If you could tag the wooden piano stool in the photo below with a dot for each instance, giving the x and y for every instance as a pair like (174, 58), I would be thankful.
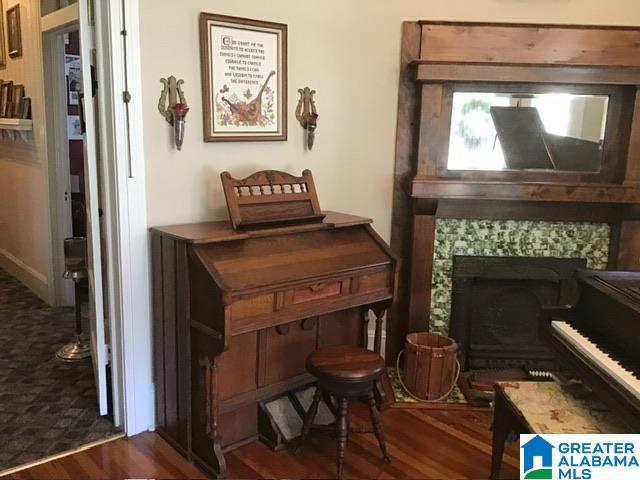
(547, 408)
(345, 373)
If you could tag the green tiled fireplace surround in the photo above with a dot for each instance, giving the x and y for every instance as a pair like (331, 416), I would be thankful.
(508, 238)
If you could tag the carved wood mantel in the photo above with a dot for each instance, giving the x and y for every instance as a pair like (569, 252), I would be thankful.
(436, 57)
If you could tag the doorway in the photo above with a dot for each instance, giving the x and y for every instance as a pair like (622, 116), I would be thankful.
(76, 186)
(62, 71)
(113, 27)
(53, 405)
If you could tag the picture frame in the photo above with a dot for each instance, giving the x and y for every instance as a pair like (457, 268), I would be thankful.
(17, 94)
(244, 79)
(73, 74)
(25, 109)
(3, 45)
(14, 32)
(5, 99)
(74, 127)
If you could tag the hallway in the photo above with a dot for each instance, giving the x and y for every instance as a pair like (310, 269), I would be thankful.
(46, 406)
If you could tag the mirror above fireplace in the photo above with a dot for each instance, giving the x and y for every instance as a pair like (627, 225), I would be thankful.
(557, 131)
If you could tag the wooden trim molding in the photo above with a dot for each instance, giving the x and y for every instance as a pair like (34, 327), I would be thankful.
(427, 71)
(530, 44)
(529, 191)
(632, 174)
(406, 141)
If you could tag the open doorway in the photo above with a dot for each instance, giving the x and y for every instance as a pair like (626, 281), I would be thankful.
(62, 70)
(52, 405)
(76, 186)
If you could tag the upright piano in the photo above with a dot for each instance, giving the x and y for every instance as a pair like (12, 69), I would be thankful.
(237, 311)
(598, 338)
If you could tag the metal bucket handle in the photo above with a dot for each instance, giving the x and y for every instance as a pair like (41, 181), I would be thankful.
(404, 387)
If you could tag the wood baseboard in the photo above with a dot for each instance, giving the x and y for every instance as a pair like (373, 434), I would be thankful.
(56, 456)
(29, 276)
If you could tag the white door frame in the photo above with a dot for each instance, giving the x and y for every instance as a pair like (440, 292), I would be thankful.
(128, 270)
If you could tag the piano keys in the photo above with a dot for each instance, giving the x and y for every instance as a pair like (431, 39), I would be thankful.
(627, 377)
(597, 338)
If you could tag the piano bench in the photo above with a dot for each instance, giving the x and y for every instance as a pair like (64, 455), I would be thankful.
(546, 408)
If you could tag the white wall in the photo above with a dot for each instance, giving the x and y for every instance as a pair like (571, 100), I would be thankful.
(348, 50)
(25, 238)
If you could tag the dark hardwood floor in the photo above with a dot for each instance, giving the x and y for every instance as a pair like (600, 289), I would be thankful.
(446, 444)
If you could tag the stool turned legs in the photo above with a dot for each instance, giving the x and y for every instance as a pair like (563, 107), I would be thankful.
(343, 432)
(311, 414)
(377, 426)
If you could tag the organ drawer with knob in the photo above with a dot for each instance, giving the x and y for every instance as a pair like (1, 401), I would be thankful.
(237, 312)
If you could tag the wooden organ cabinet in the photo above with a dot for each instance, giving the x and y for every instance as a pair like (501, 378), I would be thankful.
(238, 311)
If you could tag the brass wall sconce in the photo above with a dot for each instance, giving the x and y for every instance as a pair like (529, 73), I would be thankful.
(176, 109)
(307, 115)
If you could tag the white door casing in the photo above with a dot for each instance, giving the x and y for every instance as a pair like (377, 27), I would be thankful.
(127, 236)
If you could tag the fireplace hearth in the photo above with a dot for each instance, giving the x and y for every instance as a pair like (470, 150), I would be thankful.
(497, 305)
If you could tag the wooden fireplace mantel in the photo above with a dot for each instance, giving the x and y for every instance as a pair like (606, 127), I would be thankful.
(438, 57)
(523, 191)
(429, 71)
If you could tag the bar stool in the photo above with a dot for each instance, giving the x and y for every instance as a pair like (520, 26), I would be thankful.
(345, 372)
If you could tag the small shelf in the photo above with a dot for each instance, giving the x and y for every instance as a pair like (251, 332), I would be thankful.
(16, 124)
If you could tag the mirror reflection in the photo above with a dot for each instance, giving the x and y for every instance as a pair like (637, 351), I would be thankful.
(527, 131)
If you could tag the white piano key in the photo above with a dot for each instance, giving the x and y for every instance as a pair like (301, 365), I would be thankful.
(591, 350)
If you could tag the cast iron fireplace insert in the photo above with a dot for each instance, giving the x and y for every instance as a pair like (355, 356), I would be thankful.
(497, 304)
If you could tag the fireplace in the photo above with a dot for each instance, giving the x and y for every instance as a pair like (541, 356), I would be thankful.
(497, 305)
(440, 59)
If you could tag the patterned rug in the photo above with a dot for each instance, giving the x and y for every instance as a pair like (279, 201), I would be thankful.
(46, 406)
(401, 394)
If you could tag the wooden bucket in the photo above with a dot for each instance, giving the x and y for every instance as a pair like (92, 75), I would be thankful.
(430, 365)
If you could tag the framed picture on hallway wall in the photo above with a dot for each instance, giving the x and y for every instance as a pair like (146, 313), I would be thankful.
(244, 79)
(6, 89)
(3, 47)
(14, 31)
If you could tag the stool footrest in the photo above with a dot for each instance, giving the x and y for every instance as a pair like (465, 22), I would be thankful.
(324, 428)
(361, 430)
(332, 428)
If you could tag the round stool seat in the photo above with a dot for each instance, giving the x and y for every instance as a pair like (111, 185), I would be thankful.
(345, 372)
(345, 363)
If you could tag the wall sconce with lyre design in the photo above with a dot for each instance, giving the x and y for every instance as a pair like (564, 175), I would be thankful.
(173, 107)
(307, 115)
